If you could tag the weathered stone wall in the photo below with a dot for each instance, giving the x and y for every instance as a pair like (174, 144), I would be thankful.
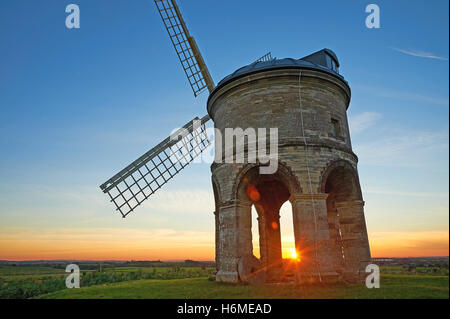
(271, 99)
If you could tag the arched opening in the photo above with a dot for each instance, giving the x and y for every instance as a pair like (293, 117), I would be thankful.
(255, 233)
(287, 232)
(271, 218)
(286, 229)
(341, 184)
(268, 196)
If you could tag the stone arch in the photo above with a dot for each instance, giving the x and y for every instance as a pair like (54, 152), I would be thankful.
(343, 170)
(272, 191)
(251, 171)
(348, 234)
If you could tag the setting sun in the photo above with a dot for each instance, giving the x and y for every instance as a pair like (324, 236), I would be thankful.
(294, 254)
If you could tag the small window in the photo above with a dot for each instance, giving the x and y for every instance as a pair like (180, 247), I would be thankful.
(329, 61)
(334, 67)
(336, 128)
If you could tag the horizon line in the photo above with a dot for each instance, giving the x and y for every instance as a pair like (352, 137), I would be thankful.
(179, 260)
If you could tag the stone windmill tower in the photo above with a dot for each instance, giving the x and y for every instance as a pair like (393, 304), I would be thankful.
(306, 101)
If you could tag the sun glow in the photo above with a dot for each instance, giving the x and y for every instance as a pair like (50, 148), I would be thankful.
(294, 254)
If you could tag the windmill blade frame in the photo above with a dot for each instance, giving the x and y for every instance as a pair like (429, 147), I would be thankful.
(142, 178)
(185, 46)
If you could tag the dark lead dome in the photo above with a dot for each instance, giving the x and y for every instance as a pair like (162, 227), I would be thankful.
(324, 60)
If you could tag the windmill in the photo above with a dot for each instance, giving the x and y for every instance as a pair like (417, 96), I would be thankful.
(305, 100)
(147, 174)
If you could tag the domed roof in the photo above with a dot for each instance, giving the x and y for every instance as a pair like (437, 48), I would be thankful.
(315, 61)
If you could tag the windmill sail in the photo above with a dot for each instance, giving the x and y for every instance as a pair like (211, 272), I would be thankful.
(142, 178)
(192, 61)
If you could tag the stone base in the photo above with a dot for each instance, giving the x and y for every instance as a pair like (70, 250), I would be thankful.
(354, 277)
(250, 270)
(324, 278)
(227, 276)
(330, 277)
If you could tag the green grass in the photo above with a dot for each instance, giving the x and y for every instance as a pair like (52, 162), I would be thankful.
(418, 270)
(392, 286)
(35, 277)
(29, 270)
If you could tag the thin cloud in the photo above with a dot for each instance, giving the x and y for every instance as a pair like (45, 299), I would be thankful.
(401, 95)
(405, 148)
(421, 54)
(361, 122)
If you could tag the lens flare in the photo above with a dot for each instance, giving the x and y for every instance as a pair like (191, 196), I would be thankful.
(253, 193)
(294, 254)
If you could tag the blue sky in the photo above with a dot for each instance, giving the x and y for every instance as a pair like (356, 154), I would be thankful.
(78, 105)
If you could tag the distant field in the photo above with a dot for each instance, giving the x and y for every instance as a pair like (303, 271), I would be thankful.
(19, 282)
(29, 270)
(392, 286)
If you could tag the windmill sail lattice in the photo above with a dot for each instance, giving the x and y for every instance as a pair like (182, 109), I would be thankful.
(185, 46)
(142, 178)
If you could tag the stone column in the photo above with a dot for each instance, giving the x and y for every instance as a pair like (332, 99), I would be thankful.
(354, 239)
(312, 239)
(216, 219)
(270, 242)
(273, 242)
(244, 228)
(335, 236)
(235, 239)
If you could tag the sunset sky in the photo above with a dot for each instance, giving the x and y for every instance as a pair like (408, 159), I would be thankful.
(76, 106)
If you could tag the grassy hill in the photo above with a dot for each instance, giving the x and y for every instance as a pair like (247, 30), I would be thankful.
(392, 286)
